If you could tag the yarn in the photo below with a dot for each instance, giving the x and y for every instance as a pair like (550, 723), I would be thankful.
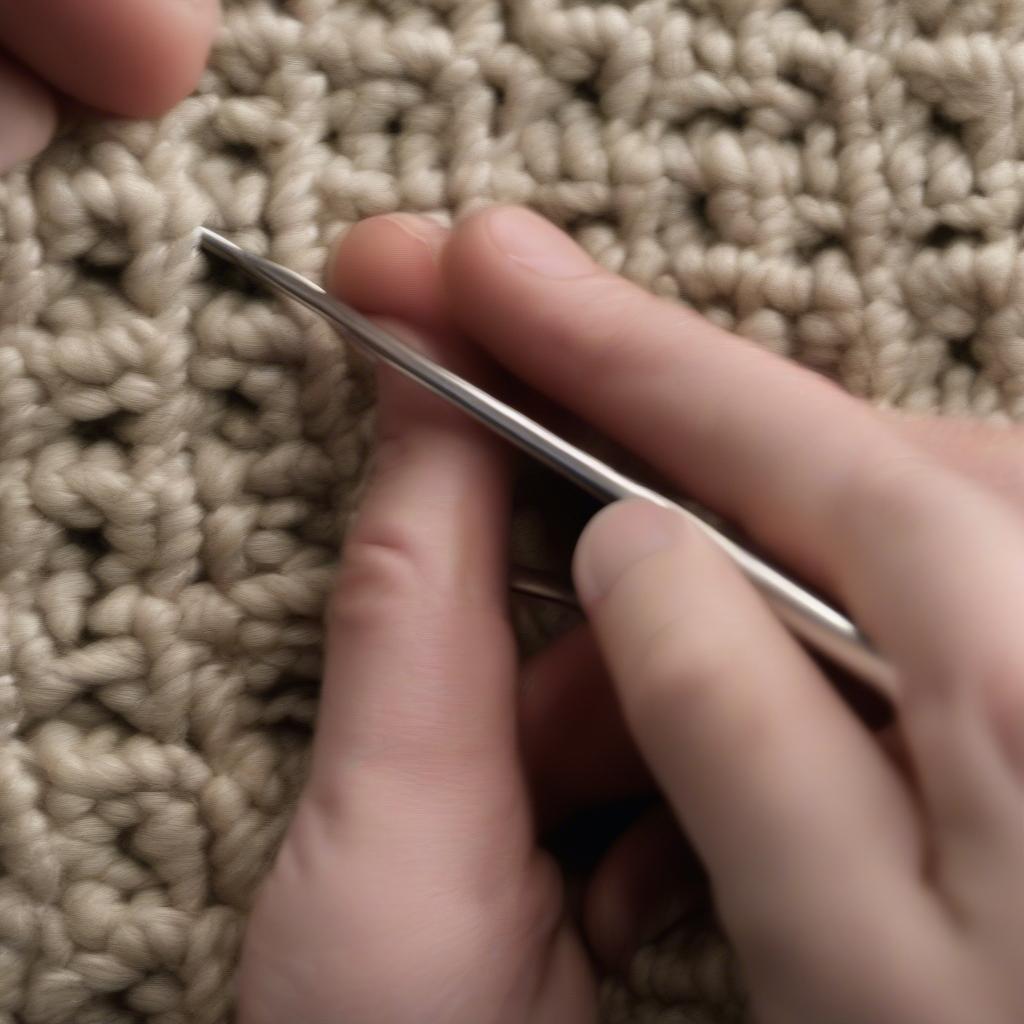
(839, 180)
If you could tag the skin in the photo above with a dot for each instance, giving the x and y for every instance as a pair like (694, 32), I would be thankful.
(861, 879)
(130, 59)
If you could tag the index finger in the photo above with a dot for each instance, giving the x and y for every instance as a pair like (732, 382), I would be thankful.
(756, 438)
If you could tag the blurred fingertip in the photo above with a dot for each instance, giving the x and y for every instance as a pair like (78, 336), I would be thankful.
(388, 264)
(134, 60)
(28, 113)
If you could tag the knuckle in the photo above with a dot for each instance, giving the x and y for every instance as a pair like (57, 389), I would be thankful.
(989, 686)
(378, 577)
(894, 487)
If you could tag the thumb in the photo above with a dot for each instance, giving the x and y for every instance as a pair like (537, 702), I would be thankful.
(769, 774)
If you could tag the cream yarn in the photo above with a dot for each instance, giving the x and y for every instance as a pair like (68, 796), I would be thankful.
(838, 179)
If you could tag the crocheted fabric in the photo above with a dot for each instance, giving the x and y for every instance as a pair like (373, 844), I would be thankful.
(838, 179)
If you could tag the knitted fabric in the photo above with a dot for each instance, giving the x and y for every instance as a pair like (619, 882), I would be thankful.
(840, 180)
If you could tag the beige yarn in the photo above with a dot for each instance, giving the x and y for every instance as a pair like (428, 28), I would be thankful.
(839, 179)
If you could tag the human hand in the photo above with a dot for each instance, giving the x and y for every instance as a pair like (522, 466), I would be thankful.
(134, 59)
(859, 881)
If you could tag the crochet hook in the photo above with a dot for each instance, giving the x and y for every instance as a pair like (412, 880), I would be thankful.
(809, 618)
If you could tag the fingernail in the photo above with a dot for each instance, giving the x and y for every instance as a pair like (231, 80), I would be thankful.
(28, 116)
(616, 539)
(533, 242)
(429, 232)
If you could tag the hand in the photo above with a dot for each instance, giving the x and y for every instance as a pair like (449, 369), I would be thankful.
(857, 885)
(125, 57)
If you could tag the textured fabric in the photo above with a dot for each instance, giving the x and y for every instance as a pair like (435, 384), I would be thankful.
(838, 179)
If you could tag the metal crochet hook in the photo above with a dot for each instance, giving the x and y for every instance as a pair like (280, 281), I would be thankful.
(810, 618)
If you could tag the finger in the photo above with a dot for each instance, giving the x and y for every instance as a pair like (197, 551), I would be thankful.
(134, 59)
(725, 420)
(648, 881)
(774, 782)
(27, 112)
(388, 266)
(417, 625)
(576, 748)
(420, 674)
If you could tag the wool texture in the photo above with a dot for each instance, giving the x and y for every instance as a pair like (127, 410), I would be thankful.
(839, 180)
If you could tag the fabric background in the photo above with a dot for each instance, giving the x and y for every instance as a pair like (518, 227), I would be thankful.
(840, 180)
